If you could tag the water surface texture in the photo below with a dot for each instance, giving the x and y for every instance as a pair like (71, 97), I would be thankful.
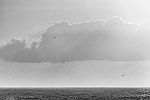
(75, 94)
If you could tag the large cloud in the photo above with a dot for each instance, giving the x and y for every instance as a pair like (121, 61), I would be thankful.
(113, 39)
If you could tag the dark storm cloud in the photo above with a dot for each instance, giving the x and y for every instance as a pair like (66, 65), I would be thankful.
(114, 39)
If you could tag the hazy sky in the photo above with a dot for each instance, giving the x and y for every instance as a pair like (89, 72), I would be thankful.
(83, 73)
(81, 43)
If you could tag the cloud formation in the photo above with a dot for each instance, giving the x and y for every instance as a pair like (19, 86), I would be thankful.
(113, 39)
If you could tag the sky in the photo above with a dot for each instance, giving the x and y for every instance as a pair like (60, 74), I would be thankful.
(21, 18)
(74, 42)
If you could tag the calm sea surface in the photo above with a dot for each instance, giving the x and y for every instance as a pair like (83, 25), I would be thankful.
(75, 94)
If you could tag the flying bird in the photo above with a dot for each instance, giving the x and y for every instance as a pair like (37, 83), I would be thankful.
(123, 75)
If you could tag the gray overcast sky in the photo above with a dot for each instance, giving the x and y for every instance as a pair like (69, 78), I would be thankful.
(25, 17)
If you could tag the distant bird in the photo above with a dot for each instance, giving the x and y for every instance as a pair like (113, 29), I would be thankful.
(54, 36)
(123, 75)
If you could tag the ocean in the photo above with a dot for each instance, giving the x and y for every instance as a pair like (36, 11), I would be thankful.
(74, 93)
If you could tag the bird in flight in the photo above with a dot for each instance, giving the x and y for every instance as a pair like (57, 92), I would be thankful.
(123, 75)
